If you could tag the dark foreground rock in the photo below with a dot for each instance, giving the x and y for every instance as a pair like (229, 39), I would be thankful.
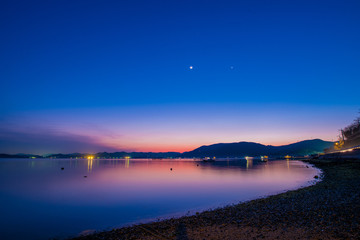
(327, 210)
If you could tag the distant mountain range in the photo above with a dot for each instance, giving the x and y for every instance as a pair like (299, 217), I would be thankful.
(121, 155)
(99, 155)
(239, 149)
(20, 155)
(242, 149)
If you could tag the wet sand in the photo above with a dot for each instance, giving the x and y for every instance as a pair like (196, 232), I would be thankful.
(327, 210)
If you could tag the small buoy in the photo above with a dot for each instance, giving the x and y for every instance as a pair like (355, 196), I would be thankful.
(85, 176)
(62, 168)
(170, 169)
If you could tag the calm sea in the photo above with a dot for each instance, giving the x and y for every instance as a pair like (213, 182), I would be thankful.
(39, 200)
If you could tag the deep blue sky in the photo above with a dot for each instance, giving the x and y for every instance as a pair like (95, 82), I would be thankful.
(57, 57)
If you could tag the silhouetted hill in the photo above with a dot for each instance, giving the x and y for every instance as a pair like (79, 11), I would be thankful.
(302, 148)
(119, 155)
(229, 150)
(20, 155)
(242, 149)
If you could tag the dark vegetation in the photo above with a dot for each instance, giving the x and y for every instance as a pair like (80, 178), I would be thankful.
(351, 134)
(349, 137)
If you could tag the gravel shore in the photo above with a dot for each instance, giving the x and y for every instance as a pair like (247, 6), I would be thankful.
(327, 210)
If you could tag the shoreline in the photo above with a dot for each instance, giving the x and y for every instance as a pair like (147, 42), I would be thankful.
(328, 209)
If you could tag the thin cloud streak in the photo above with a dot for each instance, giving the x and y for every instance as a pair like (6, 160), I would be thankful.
(47, 141)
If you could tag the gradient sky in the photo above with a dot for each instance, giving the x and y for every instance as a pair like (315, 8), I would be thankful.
(88, 76)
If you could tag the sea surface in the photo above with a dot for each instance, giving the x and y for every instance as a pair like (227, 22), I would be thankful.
(39, 200)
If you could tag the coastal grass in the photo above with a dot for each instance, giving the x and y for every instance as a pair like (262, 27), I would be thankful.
(327, 210)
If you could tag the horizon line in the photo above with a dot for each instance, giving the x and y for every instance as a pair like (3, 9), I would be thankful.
(166, 151)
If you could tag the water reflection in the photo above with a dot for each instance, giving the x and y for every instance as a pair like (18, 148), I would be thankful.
(59, 203)
(90, 164)
(249, 163)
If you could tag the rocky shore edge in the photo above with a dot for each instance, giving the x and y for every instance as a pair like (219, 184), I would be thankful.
(327, 210)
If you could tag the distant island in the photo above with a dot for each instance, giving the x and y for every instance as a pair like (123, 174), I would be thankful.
(219, 150)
